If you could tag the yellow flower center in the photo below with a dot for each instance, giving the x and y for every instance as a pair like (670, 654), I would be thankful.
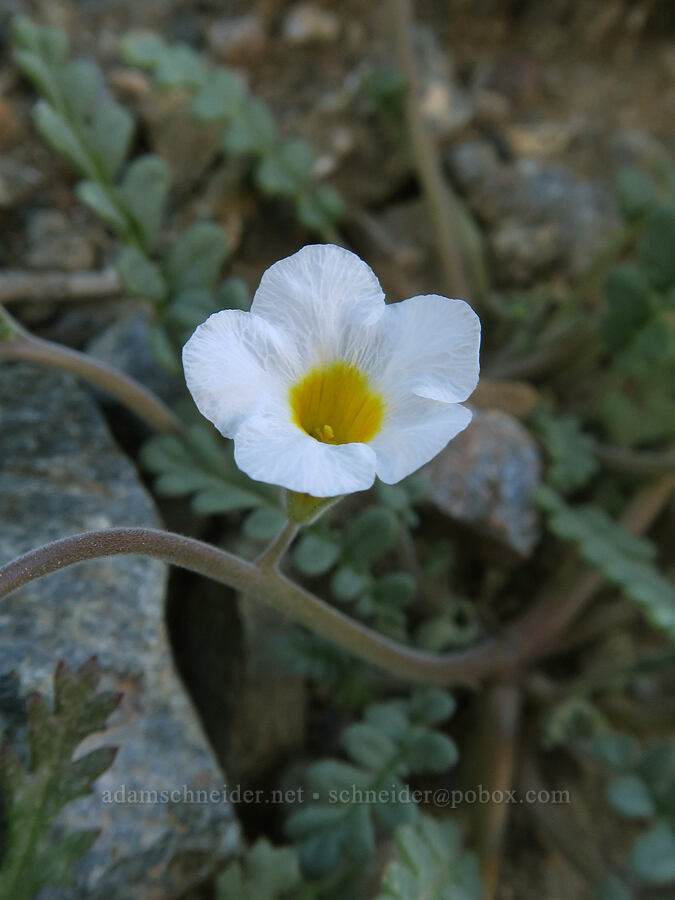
(335, 405)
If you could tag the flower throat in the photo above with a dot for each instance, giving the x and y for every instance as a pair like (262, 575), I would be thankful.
(335, 405)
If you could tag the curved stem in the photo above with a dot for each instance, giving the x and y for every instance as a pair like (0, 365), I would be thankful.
(525, 640)
(264, 584)
(23, 347)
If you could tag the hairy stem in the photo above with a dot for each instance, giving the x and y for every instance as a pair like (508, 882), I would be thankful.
(527, 639)
(23, 347)
(264, 584)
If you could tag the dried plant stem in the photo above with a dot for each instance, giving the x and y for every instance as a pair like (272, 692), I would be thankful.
(499, 727)
(642, 462)
(24, 347)
(39, 287)
(436, 190)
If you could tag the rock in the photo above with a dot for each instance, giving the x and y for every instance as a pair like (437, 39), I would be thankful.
(485, 479)
(238, 41)
(538, 216)
(306, 23)
(59, 242)
(125, 344)
(17, 182)
(62, 474)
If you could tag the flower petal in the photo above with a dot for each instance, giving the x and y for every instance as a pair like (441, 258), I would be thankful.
(270, 448)
(416, 430)
(436, 349)
(317, 295)
(234, 362)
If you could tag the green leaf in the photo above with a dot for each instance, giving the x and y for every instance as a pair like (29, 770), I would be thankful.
(264, 524)
(198, 462)
(180, 66)
(101, 201)
(371, 534)
(286, 169)
(397, 589)
(266, 873)
(35, 794)
(571, 452)
(625, 560)
(636, 192)
(139, 276)
(628, 795)
(252, 131)
(53, 44)
(144, 189)
(347, 584)
(36, 70)
(368, 746)
(79, 81)
(196, 257)
(192, 306)
(110, 133)
(619, 751)
(320, 209)
(652, 858)
(431, 752)
(315, 555)
(143, 49)
(655, 246)
(59, 135)
(163, 349)
(431, 706)
(433, 864)
(220, 97)
(628, 294)
(234, 294)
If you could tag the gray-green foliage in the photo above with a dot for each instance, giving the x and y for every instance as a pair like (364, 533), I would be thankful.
(635, 398)
(34, 792)
(81, 121)
(200, 465)
(433, 864)
(265, 873)
(625, 560)
(349, 556)
(395, 739)
(642, 788)
(281, 167)
(570, 451)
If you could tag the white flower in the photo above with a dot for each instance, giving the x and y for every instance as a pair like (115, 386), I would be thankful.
(323, 386)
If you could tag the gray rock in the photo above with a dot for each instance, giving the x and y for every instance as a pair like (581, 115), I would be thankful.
(62, 474)
(57, 242)
(486, 478)
(17, 181)
(238, 41)
(538, 216)
(125, 345)
(306, 23)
